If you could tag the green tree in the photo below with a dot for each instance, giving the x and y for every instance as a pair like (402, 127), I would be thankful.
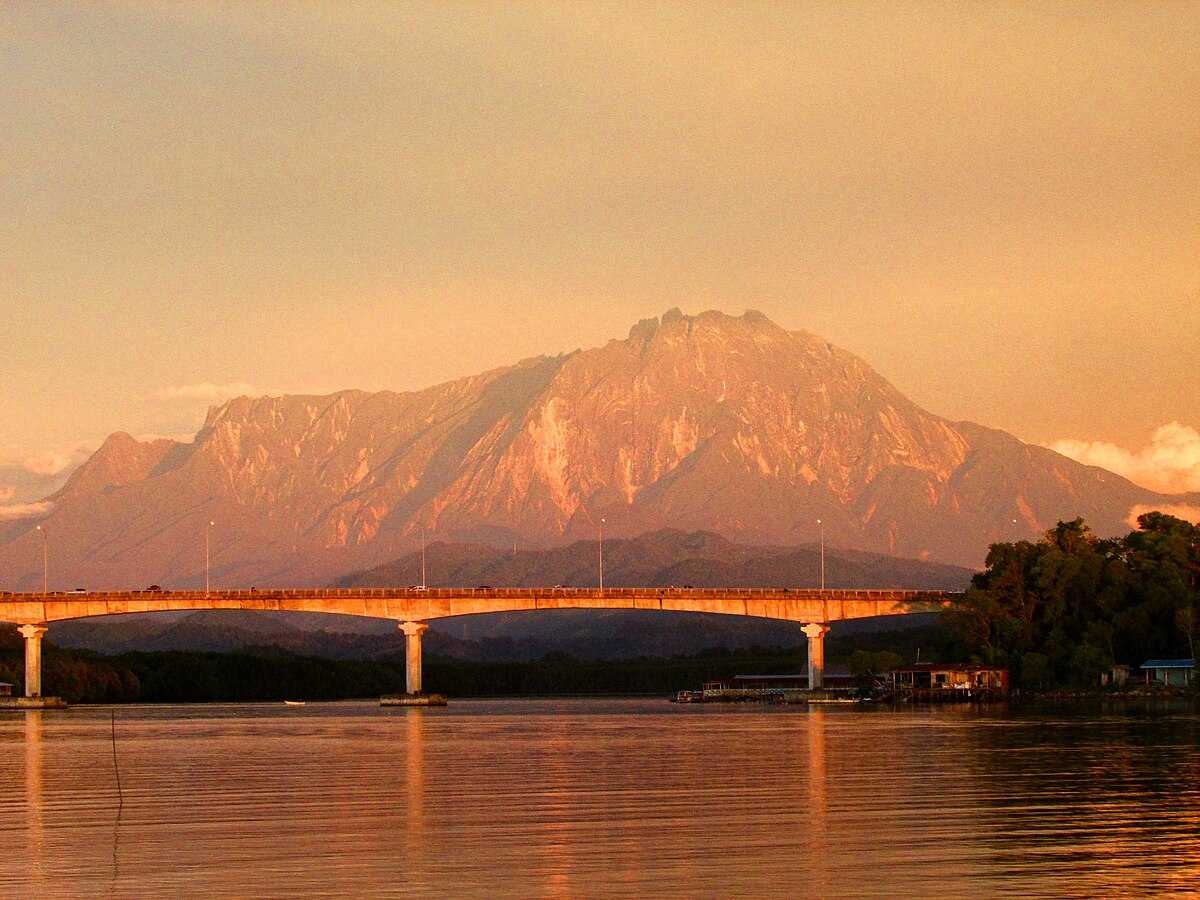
(1068, 607)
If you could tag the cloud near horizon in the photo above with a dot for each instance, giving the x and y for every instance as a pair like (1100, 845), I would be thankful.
(46, 462)
(1180, 511)
(208, 391)
(28, 475)
(26, 511)
(1170, 463)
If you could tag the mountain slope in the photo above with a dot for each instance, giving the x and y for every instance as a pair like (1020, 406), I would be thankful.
(728, 424)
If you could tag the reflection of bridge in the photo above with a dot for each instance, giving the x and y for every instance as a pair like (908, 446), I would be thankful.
(411, 607)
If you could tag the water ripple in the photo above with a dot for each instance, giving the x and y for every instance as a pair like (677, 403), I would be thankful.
(579, 798)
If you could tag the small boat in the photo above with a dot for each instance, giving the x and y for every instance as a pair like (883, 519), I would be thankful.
(293, 702)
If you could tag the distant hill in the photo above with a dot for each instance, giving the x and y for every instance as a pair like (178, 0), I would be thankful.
(708, 422)
(663, 558)
(585, 634)
(659, 559)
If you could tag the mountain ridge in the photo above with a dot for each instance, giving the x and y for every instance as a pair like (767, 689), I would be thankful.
(713, 422)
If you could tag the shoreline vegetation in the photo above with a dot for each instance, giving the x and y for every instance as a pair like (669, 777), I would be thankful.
(84, 677)
(1073, 611)
(1064, 614)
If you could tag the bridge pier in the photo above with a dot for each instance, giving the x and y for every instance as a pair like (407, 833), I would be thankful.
(815, 632)
(33, 658)
(412, 655)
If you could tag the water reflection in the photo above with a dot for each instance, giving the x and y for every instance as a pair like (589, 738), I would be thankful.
(557, 810)
(34, 833)
(412, 829)
(1083, 789)
(586, 798)
(818, 826)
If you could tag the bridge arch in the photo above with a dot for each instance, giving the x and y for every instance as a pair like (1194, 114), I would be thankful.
(413, 607)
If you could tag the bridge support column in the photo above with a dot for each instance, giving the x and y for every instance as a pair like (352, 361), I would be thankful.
(33, 658)
(815, 632)
(412, 655)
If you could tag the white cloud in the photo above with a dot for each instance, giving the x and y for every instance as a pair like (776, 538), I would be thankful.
(28, 475)
(47, 462)
(52, 460)
(1180, 511)
(1170, 463)
(26, 511)
(208, 391)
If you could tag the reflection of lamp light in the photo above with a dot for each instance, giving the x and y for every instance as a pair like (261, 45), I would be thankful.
(601, 527)
(822, 524)
(45, 559)
(207, 532)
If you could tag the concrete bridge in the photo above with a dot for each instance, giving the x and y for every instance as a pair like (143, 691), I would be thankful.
(414, 606)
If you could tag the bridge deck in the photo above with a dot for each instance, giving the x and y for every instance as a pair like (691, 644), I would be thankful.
(416, 604)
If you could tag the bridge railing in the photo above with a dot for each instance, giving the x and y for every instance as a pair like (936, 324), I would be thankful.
(485, 592)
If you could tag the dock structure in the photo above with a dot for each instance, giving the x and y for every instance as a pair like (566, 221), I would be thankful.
(412, 700)
(950, 682)
(412, 608)
(782, 689)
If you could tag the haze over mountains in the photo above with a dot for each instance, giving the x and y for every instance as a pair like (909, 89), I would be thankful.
(726, 424)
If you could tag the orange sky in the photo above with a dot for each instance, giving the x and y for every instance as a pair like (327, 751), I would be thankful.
(997, 205)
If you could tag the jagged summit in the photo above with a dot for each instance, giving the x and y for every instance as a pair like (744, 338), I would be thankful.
(121, 459)
(697, 422)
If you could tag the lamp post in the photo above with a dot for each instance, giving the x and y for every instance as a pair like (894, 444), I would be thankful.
(207, 532)
(45, 559)
(822, 524)
(601, 557)
(422, 557)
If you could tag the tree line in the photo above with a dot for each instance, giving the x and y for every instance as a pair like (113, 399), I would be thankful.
(1064, 610)
(171, 676)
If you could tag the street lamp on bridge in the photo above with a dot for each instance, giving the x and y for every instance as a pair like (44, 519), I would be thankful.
(45, 559)
(601, 527)
(422, 556)
(822, 524)
(207, 533)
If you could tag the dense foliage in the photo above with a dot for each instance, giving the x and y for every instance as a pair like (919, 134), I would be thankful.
(78, 675)
(1068, 608)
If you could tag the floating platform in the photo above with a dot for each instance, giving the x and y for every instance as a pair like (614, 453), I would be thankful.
(32, 703)
(765, 695)
(412, 700)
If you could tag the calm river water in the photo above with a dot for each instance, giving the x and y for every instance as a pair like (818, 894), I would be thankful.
(579, 798)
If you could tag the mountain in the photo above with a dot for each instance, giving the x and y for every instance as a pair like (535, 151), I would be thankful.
(707, 422)
(666, 558)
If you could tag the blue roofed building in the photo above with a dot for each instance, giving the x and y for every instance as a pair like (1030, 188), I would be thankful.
(1169, 672)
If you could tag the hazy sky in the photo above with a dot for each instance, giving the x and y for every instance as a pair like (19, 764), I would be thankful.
(996, 205)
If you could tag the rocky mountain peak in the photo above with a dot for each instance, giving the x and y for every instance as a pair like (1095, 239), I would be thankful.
(120, 460)
(728, 424)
